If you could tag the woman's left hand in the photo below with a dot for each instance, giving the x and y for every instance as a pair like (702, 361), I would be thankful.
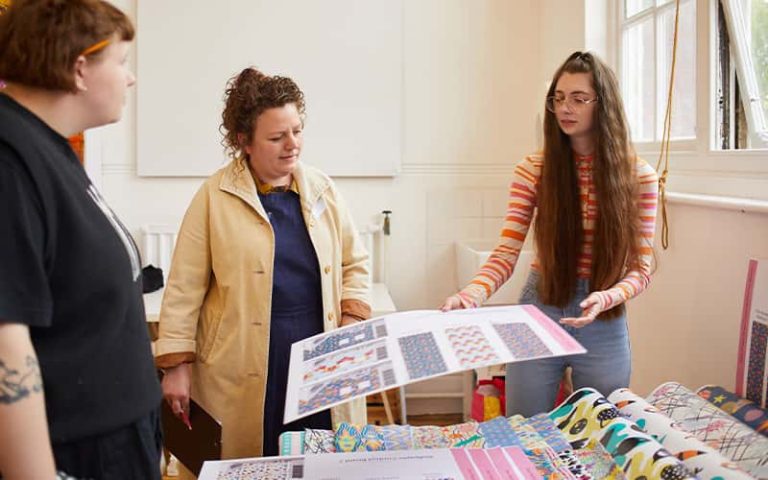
(348, 320)
(590, 309)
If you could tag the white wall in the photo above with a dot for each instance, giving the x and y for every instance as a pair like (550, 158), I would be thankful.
(474, 77)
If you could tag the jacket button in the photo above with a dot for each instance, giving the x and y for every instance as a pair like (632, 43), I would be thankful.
(330, 316)
(327, 269)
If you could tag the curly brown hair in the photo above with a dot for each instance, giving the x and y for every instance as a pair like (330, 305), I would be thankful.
(248, 95)
(558, 225)
(42, 39)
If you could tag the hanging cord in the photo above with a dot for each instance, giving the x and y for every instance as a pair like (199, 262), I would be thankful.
(664, 153)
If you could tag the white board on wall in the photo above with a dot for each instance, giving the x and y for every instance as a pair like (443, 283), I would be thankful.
(346, 55)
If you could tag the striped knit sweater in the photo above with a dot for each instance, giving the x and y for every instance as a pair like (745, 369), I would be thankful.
(520, 213)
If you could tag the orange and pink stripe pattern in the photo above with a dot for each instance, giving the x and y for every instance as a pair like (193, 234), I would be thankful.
(520, 212)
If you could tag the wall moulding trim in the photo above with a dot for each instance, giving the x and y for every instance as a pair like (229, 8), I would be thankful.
(743, 205)
(118, 169)
(455, 169)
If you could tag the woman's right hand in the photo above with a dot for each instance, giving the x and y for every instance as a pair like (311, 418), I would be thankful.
(176, 388)
(452, 303)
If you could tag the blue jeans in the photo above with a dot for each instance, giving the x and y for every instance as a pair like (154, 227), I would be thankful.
(532, 386)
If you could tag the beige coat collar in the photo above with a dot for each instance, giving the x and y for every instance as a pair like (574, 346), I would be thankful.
(237, 180)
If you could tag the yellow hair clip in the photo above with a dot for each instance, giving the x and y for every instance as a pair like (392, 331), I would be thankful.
(95, 47)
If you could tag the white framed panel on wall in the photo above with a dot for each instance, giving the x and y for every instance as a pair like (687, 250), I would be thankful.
(346, 55)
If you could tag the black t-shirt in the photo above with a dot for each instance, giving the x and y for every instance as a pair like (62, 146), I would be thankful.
(71, 272)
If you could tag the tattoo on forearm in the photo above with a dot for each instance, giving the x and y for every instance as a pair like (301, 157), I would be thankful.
(18, 384)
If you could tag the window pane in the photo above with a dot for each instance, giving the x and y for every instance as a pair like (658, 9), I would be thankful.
(632, 7)
(638, 80)
(684, 90)
(759, 48)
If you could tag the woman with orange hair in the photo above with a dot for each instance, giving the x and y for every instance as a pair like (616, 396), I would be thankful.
(78, 388)
(594, 205)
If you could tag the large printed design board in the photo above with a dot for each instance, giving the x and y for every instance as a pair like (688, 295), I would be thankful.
(450, 464)
(752, 364)
(402, 348)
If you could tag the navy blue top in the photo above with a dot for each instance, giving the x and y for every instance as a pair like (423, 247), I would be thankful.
(297, 310)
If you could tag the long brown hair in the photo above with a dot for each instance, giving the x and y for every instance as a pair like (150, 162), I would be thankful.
(559, 234)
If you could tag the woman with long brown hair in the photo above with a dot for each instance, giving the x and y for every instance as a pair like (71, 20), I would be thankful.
(594, 204)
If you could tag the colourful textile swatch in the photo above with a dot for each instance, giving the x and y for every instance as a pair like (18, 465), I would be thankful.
(714, 427)
(701, 459)
(529, 437)
(498, 433)
(463, 435)
(353, 438)
(549, 432)
(742, 409)
(292, 443)
(428, 437)
(587, 415)
(396, 437)
(598, 463)
(319, 441)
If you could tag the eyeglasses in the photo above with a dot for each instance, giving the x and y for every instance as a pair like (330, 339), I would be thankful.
(575, 102)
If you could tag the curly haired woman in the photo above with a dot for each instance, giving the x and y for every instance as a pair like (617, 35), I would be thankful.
(267, 255)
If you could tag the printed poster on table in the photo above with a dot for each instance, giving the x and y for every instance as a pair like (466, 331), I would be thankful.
(406, 347)
(751, 378)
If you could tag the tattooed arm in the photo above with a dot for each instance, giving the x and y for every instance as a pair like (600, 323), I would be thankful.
(25, 449)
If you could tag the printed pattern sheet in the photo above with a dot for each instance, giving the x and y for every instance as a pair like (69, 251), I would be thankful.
(334, 367)
(701, 459)
(751, 366)
(268, 468)
(586, 416)
(731, 438)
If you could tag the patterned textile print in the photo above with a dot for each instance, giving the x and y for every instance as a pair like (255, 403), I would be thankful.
(756, 363)
(471, 346)
(698, 457)
(396, 437)
(342, 339)
(714, 427)
(422, 355)
(278, 470)
(319, 441)
(353, 438)
(428, 437)
(337, 389)
(586, 415)
(740, 408)
(521, 341)
(549, 432)
(499, 433)
(598, 462)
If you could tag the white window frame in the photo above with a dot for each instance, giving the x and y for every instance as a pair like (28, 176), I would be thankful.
(698, 166)
(745, 70)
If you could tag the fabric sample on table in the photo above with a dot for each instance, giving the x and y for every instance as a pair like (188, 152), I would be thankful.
(587, 415)
(529, 437)
(701, 459)
(293, 443)
(463, 435)
(396, 437)
(428, 437)
(353, 438)
(744, 410)
(714, 427)
(498, 433)
(598, 462)
(549, 432)
(319, 441)
(421, 355)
